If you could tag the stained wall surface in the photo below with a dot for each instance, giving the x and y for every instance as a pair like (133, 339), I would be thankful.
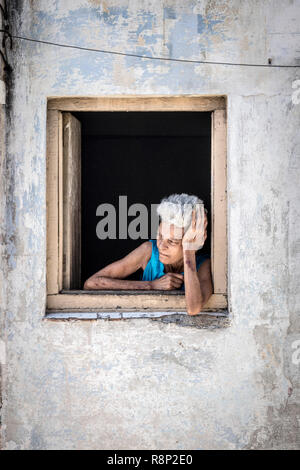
(140, 383)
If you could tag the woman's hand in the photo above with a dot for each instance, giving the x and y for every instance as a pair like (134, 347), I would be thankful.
(168, 282)
(196, 234)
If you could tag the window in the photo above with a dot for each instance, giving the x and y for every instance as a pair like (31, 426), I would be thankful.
(70, 121)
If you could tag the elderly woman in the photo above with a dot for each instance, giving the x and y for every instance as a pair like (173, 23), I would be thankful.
(169, 259)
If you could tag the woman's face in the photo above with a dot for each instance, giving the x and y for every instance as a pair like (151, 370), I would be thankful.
(169, 243)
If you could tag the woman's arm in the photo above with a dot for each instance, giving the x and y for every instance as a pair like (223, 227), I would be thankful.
(112, 276)
(198, 285)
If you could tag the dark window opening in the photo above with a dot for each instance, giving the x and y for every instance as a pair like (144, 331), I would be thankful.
(145, 156)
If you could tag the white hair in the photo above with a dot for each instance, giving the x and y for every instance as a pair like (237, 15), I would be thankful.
(177, 209)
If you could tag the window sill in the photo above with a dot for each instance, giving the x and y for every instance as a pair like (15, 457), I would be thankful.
(139, 303)
(123, 292)
(204, 320)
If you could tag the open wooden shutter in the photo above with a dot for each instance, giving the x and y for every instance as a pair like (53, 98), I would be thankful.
(71, 202)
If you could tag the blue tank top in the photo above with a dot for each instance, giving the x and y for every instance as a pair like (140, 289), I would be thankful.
(155, 268)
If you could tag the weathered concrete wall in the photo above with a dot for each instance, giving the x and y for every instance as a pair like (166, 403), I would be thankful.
(142, 383)
(2, 206)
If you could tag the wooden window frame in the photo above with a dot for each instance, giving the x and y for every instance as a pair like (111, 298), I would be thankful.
(59, 300)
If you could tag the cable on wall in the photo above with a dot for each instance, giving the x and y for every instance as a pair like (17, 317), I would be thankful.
(103, 51)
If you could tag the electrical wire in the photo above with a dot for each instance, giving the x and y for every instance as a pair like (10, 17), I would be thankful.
(103, 51)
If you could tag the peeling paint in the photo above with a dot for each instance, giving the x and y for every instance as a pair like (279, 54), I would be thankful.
(228, 384)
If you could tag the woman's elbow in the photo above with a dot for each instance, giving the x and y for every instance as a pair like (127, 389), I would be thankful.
(89, 284)
(199, 308)
(194, 311)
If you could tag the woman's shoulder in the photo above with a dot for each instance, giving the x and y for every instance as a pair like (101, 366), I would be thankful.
(147, 246)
